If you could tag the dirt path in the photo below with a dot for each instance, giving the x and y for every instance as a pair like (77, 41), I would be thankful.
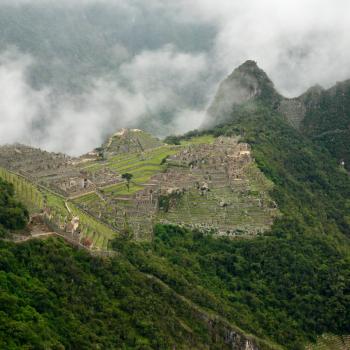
(34, 236)
(67, 207)
(44, 235)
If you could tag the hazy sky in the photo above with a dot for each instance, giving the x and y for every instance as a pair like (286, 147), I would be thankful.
(73, 72)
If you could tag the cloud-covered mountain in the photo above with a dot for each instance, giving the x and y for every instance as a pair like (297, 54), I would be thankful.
(72, 72)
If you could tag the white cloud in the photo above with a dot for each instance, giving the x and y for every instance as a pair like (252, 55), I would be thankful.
(163, 75)
(163, 67)
(78, 126)
(188, 119)
(298, 43)
(19, 103)
(152, 81)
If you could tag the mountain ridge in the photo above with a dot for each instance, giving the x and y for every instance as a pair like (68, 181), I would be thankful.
(318, 113)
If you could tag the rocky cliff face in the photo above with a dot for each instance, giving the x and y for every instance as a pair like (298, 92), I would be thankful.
(294, 110)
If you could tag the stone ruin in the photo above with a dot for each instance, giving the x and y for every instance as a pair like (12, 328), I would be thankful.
(29, 161)
(212, 177)
(68, 226)
(56, 171)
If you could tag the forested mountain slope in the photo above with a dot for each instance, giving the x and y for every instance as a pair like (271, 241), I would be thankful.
(319, 114)
(327, 119)
(13, 215)
(53, 296)
(304, 261)
(190, 289)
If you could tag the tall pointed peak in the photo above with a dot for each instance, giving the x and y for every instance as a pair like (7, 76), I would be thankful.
(249, 73)
(249, 65)
(246, 83)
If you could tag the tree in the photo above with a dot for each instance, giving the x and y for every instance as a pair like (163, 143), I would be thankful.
(100, 153)
(126, 233)
(13, 214)
(127, 177)
(172, 140)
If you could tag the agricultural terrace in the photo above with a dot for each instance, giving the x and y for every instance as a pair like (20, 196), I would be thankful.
(61, 210)
(142, 165)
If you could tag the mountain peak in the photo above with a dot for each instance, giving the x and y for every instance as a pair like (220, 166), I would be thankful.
(250, 76)
(248, 65)
(246, 83)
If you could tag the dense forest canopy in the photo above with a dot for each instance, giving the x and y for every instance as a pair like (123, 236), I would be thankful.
(13, 215)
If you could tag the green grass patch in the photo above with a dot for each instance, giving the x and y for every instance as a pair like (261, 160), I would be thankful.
(121, 189)
(198, 140)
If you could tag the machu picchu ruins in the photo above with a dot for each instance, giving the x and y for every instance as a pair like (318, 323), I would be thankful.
(205, 183)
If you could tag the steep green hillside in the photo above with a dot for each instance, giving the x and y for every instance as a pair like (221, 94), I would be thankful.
(321, 115)
(331, 342)
(324, 117)
(246, 83)
(286, 289)
(13, 215)
(55, 297)
(187, 287)
(327, 120)
(291, 285)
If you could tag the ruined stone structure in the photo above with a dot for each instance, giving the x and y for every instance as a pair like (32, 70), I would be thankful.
(212, 186)
(57, 171)
(205, 186)
(129, 141)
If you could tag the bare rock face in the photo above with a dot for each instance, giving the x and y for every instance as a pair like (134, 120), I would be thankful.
(294, 111)
(233, 338)
(238, 341)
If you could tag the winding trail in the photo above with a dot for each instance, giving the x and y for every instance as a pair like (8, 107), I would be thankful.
(34, 236)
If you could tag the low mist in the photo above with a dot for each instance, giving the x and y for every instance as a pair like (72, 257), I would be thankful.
(72, 73)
